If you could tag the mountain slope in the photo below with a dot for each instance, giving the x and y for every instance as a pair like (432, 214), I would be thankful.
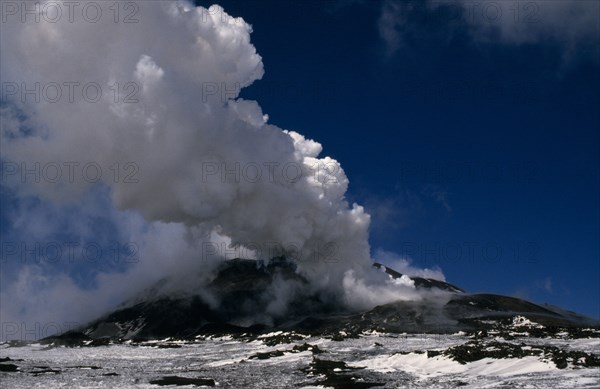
(243, 288)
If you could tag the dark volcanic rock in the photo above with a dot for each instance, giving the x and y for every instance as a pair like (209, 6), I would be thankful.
(280, 353)
(240, 284)
(286, 337)
(68, 339)
(476, 350)
(8, 367)
(180, 381)
(8, 359)
(45, 371)
(243, 288)
(338, 375)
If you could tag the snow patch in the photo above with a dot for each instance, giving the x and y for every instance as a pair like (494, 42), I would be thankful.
(423, 367)
(521, 321)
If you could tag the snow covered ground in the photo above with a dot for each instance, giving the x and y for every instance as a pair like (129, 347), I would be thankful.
(392, 360)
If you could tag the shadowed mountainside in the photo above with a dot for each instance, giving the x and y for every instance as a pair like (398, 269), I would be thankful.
(243, 288)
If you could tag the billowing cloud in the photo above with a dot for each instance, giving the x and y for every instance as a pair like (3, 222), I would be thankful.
(136, 131)
(194, 153)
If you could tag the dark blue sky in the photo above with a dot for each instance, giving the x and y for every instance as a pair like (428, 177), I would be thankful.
(473, 141)
(480, 156)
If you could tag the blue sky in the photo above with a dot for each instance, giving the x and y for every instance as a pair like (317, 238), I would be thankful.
(470, 135)
(481, 157)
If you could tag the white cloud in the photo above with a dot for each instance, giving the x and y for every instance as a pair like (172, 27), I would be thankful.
(166, 117)
(571, 25)
(180, 161)
(390, 23)
(189, 65)
(403, 265)
(362, 294)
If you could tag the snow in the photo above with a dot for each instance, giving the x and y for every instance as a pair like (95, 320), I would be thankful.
(399, 362)
(271, 334)
(422, 367)
(415, 363)
(510, 366)
(520, 321)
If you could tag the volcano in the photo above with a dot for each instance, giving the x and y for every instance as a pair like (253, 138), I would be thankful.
(218, 336)
(244, 290)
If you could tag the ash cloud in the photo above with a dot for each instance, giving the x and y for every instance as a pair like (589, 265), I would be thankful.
(183, 160)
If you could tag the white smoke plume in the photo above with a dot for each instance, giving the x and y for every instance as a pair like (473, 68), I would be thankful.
(403, 265)
(151, 111)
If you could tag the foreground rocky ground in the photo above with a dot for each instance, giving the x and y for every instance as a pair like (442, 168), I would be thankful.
(509, 357)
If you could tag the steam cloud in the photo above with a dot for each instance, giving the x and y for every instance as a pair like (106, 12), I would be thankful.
(198, 167)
